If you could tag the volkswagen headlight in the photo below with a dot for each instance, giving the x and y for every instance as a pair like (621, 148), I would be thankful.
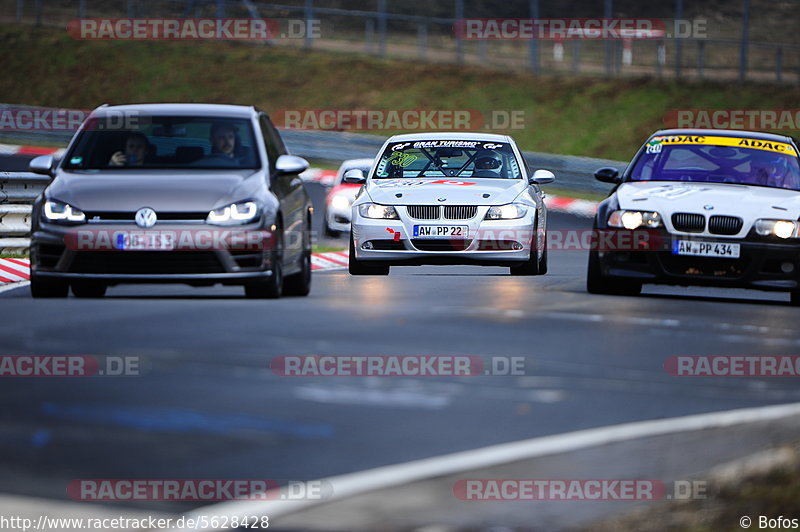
(634, 219)
(373, 210)
(511, 211)
(56, 211)
(234, 214)
(780, 228)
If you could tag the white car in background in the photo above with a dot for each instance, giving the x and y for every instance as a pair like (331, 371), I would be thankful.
(449, 198)
(340, 197)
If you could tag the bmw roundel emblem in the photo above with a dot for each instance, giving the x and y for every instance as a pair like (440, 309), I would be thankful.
(442, 199)
(146, 217)
(708, 207)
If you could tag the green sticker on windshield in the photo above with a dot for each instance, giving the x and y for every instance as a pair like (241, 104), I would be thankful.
(402, 159)
(76, 160)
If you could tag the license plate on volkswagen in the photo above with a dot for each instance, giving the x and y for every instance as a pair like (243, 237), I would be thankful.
(150, 241)
(441, 231)
(705, 249)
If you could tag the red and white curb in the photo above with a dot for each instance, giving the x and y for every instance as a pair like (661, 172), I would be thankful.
(14, 270)
(332, 260)
(10, 149)
(576, 207)
(17, 270)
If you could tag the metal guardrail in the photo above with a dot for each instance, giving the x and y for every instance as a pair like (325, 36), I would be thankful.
(17, 192)
(19, 189)
(572, 172)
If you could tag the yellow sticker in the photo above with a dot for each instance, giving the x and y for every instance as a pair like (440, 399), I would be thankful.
(699, 140)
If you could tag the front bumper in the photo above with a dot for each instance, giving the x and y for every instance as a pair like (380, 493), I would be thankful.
(338, 219)
(488, 242)
(762, 264)
(57, 253)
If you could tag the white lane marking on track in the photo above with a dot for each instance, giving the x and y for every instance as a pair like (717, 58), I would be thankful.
(352, 484)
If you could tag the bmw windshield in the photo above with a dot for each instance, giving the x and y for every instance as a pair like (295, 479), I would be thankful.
(173, 142)
(709, 159)
(448, 158)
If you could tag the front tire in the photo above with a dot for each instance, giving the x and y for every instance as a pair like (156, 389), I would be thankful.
(360, 267)
(88, 289)
(598, 283)
(534, 265)
(795, 297)
(41, 288)
(299, 284)
(272, 286)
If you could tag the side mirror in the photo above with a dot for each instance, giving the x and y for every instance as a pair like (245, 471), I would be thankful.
(43, 164)
(290, 164)
(608, 175)
(355, 176)
(541, 177)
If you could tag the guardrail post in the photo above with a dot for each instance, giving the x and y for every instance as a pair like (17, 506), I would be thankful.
(20, 9)
(701, 58)
(369, 34)
(38, 8)
(459, 40)
(533, 45)
(82, 9)
(779, 63)
(576, 56)
(382, 27)
(422, 39)
(678, 43)
(309, 14)
(745, 36)
(608, 13)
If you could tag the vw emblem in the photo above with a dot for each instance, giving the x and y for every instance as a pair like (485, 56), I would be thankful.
(442, 199)
(708, 207)
(146, 217)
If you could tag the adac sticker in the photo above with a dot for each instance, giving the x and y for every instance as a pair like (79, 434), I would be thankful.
(739, 142)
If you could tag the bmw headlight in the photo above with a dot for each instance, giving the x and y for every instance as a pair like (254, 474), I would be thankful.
(340, 202)
(634, 219)
(511, 211)
(234, 214)
(373, 210)
(780, 228)
(55, 211)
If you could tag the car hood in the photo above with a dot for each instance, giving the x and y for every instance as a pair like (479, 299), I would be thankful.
(745, 201)
(468, 191)
(130, 190)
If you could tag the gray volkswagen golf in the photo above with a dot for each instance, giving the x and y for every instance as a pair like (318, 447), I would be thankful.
(172, 193)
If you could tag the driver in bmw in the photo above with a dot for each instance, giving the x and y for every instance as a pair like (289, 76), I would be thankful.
(486, 166)
(771, 170)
